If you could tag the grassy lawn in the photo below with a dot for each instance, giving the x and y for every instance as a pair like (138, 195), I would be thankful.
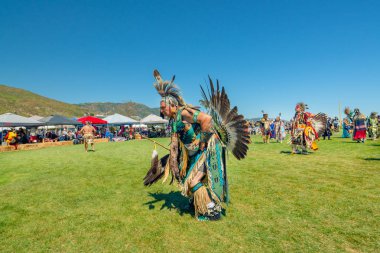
(65, 200)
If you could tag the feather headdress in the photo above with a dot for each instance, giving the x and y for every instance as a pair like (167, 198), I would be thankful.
(169, 92)
(302, 106)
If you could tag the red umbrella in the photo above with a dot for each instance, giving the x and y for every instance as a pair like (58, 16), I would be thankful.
(93, 120)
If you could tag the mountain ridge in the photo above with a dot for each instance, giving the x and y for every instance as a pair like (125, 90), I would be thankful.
(27, 103)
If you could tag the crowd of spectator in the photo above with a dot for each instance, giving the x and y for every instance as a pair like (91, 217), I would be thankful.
(14, 137)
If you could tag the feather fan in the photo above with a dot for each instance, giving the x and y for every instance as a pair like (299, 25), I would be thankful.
(230, 126)
(156, 170)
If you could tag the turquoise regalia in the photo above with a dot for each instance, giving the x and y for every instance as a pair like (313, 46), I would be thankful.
(201, 174)
(211, 160)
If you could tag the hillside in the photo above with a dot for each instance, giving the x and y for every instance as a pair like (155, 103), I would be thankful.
(129, 109)
(27, 103)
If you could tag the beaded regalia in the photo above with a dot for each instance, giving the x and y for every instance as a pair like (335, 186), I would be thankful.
(306, 129)
(201, 173)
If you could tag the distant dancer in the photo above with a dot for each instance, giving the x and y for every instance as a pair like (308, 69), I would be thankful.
(88, 133)
(305, 129)
(327, 133)
(346, 128)
(347, 123)
(360, 128)
(373, 126)
(265, 127)
(279, 129)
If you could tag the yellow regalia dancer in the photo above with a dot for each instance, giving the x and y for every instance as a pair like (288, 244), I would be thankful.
(306, 128)
(199, 143)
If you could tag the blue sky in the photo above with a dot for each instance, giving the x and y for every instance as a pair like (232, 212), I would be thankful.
(269, 55)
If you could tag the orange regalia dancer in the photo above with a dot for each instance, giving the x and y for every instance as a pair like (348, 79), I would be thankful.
(306, 128)
(199, 142)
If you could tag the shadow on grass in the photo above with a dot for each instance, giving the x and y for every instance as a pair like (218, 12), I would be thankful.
(290, 153)
(372, 159)
(172, 200)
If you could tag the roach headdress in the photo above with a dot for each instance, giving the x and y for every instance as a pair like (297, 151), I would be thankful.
(169, 92)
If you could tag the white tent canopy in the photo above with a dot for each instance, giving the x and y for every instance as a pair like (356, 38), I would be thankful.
(154, 119)
(13, 120)
(119, 119)
(36, 117)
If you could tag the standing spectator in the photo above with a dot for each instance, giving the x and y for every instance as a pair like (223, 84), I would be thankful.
(327, 132)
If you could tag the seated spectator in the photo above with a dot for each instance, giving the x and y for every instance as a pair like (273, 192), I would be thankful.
(33, 138)
(71, 135)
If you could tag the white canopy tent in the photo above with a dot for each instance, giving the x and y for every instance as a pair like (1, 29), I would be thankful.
(154, 119)
(118, 119)
(14, 120)
(36, 117)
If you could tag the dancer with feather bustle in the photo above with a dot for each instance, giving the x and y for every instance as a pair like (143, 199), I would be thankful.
(199, 142)
(306, 128)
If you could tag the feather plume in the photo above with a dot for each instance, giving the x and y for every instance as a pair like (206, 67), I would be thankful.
(156, 170)
(231, 127)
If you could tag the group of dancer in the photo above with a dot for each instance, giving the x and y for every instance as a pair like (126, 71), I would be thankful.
(358, 124)
(272, 129)
(305, 129)
(199, 143)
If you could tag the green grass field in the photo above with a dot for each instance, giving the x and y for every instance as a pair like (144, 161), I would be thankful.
(65, 200)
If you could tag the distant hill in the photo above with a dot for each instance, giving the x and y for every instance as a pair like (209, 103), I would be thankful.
(27, 103)
(129, 109)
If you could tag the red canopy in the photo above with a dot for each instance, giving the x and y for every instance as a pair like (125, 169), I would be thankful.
(93, 120)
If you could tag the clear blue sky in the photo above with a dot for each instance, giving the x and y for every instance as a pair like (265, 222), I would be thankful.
(268, 54)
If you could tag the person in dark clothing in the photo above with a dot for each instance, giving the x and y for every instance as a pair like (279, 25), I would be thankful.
(327, 133)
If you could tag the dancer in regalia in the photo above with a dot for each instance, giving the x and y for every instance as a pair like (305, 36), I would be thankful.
(279, 129)
(373, 126)
(306, 127)
(347, 123)
(199, 142)
(265, 127)
(359, 125)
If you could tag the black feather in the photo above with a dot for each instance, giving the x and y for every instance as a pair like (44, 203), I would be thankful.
(230, 126)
